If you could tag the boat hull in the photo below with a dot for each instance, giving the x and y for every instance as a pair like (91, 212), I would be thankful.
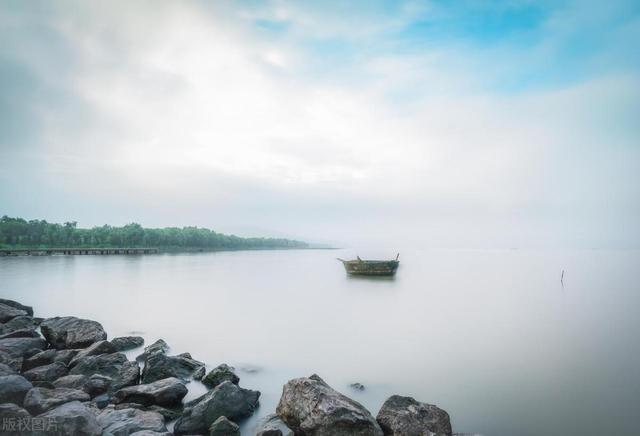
(371, 267)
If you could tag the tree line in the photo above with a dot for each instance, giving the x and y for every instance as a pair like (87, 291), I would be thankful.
(18, 232)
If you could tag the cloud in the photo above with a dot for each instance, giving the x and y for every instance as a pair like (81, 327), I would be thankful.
(232, 117)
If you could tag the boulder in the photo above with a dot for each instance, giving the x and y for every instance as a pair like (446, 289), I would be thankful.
(166, 392)
(199, 373)
(47, 373)
(158, 366)
(39, 400)
(12, 419)
(223, 427)
(169, 414)
(13, 389)
(21, 347)
(70, 419)
(404, 416)
(72, 332)
(95, 349)
(12, 362)
(21, 333)
(16, 305)
(226, 399)
(125, 343)
(151, 433)
(123, 422)
(272, 425)
(72, 381)
(357, 386)
(7, 313)
(219, 374)
(311, 407)
(159, 346)
(46, 357)
(97, 385)
(6, 370)
(122, 372)
(20, 323)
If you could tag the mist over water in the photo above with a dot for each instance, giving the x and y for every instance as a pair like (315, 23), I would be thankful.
(492, 337)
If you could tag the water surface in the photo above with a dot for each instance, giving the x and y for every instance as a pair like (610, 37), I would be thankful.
(492, 337)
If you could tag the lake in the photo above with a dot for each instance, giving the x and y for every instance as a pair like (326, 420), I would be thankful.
(493, 337)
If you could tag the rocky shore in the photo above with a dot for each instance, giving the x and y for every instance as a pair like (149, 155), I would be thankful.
(62, 376)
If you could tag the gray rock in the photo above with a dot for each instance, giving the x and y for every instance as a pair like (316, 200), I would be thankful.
(21, 333)
(165, 392)
(311, 407)
(14, 363)
(123, 422)
(223, 427)
(20, 323)
(20, 347)
(357, 386)
(43, 384)
(10, 415)
(72, 381)
(13, 389)
(404, 416)
(158, 366)
(219, 374)
(159, 346)
(125, 343)
(97, 385)
(48, 356)
(122, 372)
(6, 370)
(199, 373)
(72, 332)
(48, 373)
(272, 425)
(71, 419)
(151, 433)
(95, 349)
(169, 413)
(7, 313)
(226, 399)
(101, 401)
(39, 400)
(17, 305)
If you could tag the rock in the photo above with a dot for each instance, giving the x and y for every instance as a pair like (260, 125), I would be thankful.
(125, 343)
(272, 425)
(311, 407)
(97, 384)
(7, 313)
(72, 332)
(219, 374)
(71, 419)
(16, 305)
(357, 386)
(43, 384)
(151, 433)
(158, 366)
(404, 416)
(6, 370)
(39, 400)
(226, 399)
(12, 419)
(48, 356)
(20, 347)
(14, 363)
(13, 389)
(169, 414)
(123, 422)
(21, 333)
(158, 346)
(73, 381)
(199, 373)
(101, 401)
(48, 372)
(122, 372)
(20, 323)
(223, 427)
(166, 392)
(95, 349)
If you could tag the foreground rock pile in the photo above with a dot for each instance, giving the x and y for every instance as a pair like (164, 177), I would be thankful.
(62, 376)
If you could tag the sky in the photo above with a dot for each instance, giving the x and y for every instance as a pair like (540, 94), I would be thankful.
(467, 124)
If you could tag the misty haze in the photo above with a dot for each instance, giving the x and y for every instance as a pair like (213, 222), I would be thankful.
(432, 207)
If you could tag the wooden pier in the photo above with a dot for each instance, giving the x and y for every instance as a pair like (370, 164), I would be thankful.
(74, 251)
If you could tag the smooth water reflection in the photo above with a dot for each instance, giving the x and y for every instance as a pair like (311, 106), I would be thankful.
(491, 336)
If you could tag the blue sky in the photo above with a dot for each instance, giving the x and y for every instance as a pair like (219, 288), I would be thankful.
(463, 124)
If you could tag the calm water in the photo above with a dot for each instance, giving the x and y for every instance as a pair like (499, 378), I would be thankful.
(490, 336)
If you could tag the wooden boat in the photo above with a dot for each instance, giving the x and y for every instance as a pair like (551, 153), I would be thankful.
(371, 267)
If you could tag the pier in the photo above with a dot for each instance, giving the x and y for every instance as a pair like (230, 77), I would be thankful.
(74, 251)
